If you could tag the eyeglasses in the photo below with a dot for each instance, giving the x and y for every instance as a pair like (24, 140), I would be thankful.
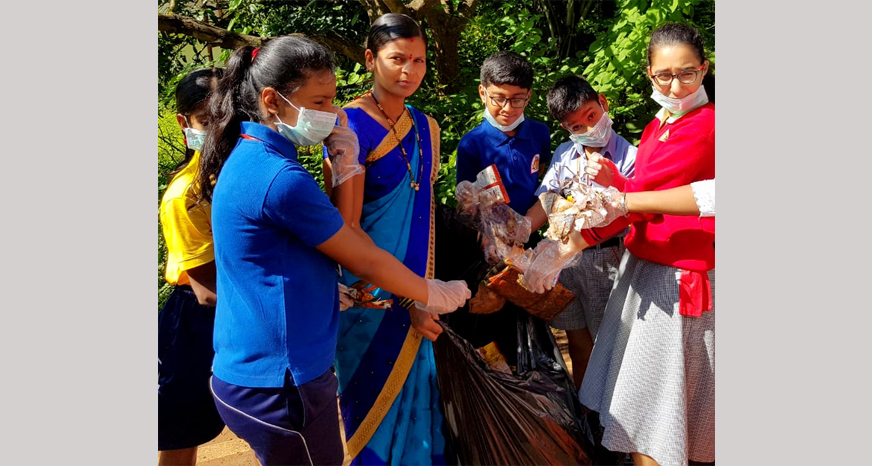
(518, 102)
(685, 77)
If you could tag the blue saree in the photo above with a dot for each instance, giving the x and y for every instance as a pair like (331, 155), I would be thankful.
(388, 392)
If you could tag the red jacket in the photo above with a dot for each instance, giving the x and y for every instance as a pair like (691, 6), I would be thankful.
(673, 155)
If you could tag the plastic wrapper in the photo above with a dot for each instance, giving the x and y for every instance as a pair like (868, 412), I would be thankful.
(529, 416)
(504, 233)
(579, 205)
(486, 190)
(546, 306)
(361, 296)
(486, 300)
(482, 206)
(494, 358)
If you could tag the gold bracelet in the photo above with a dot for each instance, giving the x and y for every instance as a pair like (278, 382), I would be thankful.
(624, 204)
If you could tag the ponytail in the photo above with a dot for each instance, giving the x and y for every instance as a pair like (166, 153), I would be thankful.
(228, 111)
(283, 64)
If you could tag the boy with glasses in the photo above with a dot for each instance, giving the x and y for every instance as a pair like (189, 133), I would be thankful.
(521, 149)
(518, 146)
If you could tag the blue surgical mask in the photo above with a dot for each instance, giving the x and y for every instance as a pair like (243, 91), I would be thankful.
(598, 136)
(683, 105)
(313, 126)
(504, 128)
(194, 138)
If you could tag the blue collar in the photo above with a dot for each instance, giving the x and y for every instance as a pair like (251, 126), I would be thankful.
(271, 138)
(498, 138)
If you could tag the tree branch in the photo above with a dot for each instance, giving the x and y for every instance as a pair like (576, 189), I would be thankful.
(397, 6)
(339, 43)
(204, 32)
(467, 8)
(376, 8)
(212, 35)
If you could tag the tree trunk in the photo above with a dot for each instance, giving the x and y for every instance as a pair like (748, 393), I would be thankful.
(446, 32)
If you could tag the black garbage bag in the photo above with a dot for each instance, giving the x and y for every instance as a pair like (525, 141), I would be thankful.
(529, 417)
(497, 418)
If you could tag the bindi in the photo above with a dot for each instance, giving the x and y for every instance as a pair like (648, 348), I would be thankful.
(410, 57)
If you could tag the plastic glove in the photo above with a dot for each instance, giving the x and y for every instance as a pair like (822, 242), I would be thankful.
(345, 299)
(548, 259)
(600, 169)
(343, 150)
(444, 297)
(523, 230)
(467, 199)
(615, 205)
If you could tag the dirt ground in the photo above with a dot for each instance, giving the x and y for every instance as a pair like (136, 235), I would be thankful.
(229, 450)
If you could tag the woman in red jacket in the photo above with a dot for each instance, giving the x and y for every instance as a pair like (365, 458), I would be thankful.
(651, 375)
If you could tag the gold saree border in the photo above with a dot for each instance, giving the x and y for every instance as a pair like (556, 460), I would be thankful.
(391, 140)
(409, 351)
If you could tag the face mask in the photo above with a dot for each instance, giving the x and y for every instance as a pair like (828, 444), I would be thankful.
(598, 136)
(312, 126)
(504, 128)
(194, 138)
(685, 104)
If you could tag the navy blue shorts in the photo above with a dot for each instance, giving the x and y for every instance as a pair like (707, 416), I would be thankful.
(186, 410)
(288, 425)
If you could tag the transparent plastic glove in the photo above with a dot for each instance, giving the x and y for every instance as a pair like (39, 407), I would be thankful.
(615, 204)
(345, 299)
(467, 198)
(343, 150)
(444, 297)
(600, 169)
(548, 259)
(523, 230)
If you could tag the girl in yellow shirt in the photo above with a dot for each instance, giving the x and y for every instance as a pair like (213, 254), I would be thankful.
(187, 416)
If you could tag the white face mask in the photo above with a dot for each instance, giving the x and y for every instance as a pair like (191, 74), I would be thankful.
(312, 126)
(685, 104)
(504, 128)
(194, 138)
(598, 136)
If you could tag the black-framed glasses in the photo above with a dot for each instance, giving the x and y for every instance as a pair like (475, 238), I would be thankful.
(685, 77)
(518, 102)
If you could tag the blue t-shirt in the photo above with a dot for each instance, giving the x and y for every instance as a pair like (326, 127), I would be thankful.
(278, 305)
(518, 158)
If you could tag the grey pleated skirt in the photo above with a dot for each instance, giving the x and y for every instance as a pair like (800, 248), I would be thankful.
(651, 375)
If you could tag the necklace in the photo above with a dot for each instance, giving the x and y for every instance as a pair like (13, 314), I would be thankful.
(414, 184)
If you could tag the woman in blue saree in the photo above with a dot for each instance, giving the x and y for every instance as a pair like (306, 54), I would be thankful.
(388, 393)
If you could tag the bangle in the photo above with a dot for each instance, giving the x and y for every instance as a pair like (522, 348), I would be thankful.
(624, 203)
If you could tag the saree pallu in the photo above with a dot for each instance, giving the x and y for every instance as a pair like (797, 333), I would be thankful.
(388, 392)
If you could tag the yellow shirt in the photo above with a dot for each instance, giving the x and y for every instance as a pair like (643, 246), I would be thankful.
(187, 225)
